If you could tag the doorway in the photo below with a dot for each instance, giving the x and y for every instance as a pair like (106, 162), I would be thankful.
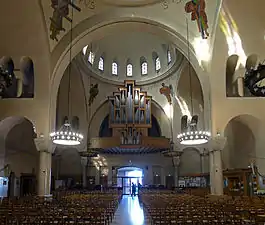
(127, 176)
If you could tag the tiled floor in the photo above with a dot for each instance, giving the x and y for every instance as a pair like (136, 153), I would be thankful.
(129, 212)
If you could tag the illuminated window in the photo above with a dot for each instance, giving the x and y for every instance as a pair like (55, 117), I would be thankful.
(91, 58)
(158, 64)
(101, 64)
(169, 59)
(114, 68)
(129, 70)
(144, 68)
(84, 50)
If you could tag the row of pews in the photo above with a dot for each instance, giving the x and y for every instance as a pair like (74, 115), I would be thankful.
(170, 208)
(70, 208)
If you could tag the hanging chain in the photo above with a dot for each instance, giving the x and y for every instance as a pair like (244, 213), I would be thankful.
(189, 69)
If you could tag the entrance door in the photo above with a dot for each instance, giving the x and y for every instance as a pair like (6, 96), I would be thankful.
(127, 185)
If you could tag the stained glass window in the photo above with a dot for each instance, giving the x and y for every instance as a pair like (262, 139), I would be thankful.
(129, 70)
(158, 64)
(101, 64)
(114, 68)
(144, 68)
(91, 58)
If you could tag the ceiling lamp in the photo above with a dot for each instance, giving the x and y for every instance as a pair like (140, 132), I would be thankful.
(66, 135)
(194, 137)
(190, 135)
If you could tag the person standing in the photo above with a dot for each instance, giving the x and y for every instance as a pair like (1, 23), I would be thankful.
(133, 189)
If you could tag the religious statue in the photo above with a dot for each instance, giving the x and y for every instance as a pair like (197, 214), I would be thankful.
(197, 10)
(167, 91)
(93, 93)
(60, 11)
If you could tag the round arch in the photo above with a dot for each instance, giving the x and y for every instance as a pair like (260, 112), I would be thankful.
(103, 110)
(241, 132)
(17, 144)
(98, 28)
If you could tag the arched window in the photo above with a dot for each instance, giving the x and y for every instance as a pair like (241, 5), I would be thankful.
(129, 70)
(101, 64)
(85, 49)
(91, 57)
(158, 64)
(144, 68)
(169, 59)
(114, 68)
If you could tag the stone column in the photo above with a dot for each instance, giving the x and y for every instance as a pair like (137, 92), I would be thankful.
(216, 170)
(84, 163)
(44, 174)
(239, 78)
(44, 181)
(176, 160)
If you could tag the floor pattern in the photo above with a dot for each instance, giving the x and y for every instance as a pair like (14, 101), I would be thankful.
(130, 212)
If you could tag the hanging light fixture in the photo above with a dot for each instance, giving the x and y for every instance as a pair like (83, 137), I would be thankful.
(190, 135)
(66, 135)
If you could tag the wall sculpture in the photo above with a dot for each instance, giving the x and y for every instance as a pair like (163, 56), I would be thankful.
(197, 10)
(60, 12)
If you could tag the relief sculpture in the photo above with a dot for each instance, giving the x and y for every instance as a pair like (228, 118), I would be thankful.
(93, 93)
(60, 11)
(167, 91)
(197, 10)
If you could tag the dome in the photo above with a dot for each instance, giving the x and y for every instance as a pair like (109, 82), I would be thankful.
(140, 56)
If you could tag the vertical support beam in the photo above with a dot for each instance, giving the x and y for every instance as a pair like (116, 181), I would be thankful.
(84, 163)
(45, 166)
(216, 170)
(44, 178)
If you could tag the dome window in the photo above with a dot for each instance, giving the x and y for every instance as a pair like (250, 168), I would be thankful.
(157, 64)
(91, 57)
(85, 49)
(169, 59)
(144, 68)
(129, 70)
(114, 68)
(101, 64)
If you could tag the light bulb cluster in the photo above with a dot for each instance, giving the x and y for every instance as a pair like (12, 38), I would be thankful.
(66, 136)
(194, 137)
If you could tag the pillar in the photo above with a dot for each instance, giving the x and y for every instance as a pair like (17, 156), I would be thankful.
(44, 178)
(84, 163)
(216, 170)
(45, 165)
(176, 160)
(239, 78)
(240, 86)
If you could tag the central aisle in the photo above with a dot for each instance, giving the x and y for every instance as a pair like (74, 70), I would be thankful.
(129, 212)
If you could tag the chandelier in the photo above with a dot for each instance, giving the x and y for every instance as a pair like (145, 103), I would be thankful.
(190, 135)
(194, 137)
(66, 135)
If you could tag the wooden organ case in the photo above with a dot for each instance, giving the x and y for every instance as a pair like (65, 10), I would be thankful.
(130, 113)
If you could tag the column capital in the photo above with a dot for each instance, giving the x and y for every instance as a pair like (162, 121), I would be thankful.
(41, 144)
(217, 143)
(176, 160)
(84, 161)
